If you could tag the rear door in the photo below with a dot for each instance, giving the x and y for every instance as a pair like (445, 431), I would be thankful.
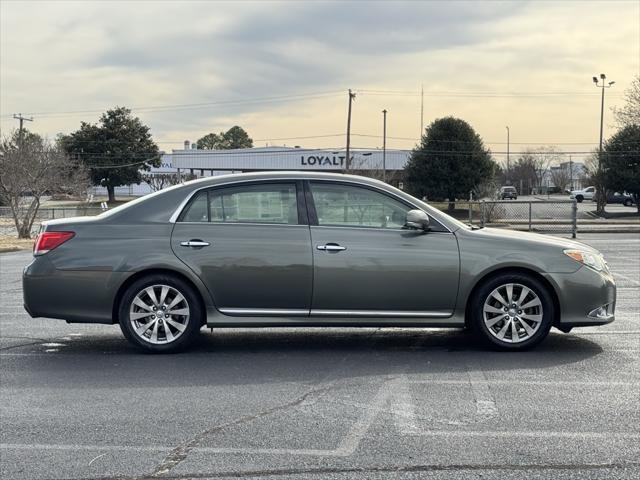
(250, 244)
(366, 264)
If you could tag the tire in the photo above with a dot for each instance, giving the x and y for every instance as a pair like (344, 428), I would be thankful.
(164, 332)
(627, 203)
(579, 198)
(495, 327)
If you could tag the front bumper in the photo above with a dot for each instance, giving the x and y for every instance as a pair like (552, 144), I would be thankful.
(581, 294)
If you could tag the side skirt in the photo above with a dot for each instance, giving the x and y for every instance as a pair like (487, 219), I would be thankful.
(216, 318)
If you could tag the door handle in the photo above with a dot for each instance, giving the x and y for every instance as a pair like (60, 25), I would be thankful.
(195, 244)
(331, 247)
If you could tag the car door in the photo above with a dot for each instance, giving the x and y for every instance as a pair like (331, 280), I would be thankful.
(250, 244)
(366, 264)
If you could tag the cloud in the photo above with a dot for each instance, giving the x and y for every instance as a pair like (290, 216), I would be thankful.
(62, 56)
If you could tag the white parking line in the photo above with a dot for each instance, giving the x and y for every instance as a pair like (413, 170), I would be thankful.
(485, 405)
(404, 412)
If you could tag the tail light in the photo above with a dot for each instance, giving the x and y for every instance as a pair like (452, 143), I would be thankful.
(47, 241)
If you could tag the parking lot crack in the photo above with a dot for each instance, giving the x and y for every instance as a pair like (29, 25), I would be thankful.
(180, 453)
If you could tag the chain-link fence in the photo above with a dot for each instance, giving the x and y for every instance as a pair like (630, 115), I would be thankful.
(7, 225)
(557, 216)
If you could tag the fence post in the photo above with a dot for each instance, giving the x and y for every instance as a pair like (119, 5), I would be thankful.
(530, 204)
(53, 213)
(482, 213)
(470, 214)
(574, 218)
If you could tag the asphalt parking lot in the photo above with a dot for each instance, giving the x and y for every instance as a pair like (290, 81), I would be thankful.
(77, 401)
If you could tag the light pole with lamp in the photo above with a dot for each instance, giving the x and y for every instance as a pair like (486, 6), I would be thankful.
(600, 189)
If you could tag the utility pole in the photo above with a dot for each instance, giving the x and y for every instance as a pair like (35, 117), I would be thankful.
(21, 119)
(421, 112)
(508, 164)
(348, 160)
(384, 145)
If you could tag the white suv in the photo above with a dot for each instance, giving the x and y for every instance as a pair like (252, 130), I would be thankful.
(584, 194)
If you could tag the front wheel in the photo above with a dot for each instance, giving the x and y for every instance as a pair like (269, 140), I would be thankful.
(512, 312)
(579, 198)
(627, 203)
(160, 313)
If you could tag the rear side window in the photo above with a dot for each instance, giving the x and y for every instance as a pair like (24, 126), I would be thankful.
(197, 209)
(261, 203)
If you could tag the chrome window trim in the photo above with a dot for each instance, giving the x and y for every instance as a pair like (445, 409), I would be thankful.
(183, 204)
(267, 224)
(378, 229)
(379, 313)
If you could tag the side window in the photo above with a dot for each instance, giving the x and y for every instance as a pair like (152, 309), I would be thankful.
(261, 203)
(351, 206)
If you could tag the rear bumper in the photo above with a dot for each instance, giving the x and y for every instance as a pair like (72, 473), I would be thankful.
(74, 295)
(581, 293)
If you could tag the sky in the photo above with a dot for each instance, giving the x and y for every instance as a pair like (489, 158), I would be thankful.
(282, 70)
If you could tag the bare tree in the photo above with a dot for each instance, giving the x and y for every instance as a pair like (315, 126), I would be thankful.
(561, 177)
(32, 167)
(158, 181)
(629, 113)
(541, 159)
(523, 173)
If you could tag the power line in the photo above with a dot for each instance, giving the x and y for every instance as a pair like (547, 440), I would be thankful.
(410, 93)
(187, 106)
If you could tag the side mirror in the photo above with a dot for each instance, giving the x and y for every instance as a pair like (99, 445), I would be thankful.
(417, 219)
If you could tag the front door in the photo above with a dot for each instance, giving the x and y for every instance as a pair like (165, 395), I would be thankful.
(250, 244)
(366, 264)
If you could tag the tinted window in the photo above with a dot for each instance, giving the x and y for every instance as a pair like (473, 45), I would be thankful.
(347, 205)
(263, 203)
(197, 210)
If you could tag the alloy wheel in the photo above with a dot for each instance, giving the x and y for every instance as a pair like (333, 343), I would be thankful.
(159, 314)
(512, 313)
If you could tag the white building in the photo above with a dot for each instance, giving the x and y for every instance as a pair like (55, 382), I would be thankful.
(214, 162)
(206, 163)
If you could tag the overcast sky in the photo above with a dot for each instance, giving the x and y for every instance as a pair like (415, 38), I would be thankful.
(282, 69)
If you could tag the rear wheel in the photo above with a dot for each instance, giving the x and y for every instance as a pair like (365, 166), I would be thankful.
(512, 312)
(160, 313)
(627, 203)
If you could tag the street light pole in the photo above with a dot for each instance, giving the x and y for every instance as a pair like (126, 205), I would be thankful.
(600, 190)
(384, 145)
(508, 165)
(348, 159)
(603, 86)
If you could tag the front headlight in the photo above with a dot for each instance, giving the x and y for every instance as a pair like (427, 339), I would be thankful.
(590, 259)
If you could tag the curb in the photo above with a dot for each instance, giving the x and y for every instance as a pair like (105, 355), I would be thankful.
(9, 249)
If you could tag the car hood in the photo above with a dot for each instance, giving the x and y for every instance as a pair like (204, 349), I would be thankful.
(526, 237)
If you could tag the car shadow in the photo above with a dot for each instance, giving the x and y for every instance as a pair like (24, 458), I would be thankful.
(311, 355)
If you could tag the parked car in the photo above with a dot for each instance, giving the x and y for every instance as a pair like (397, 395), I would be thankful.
(617, 197)
(307, 249)
(584, 194)
(508, 192)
